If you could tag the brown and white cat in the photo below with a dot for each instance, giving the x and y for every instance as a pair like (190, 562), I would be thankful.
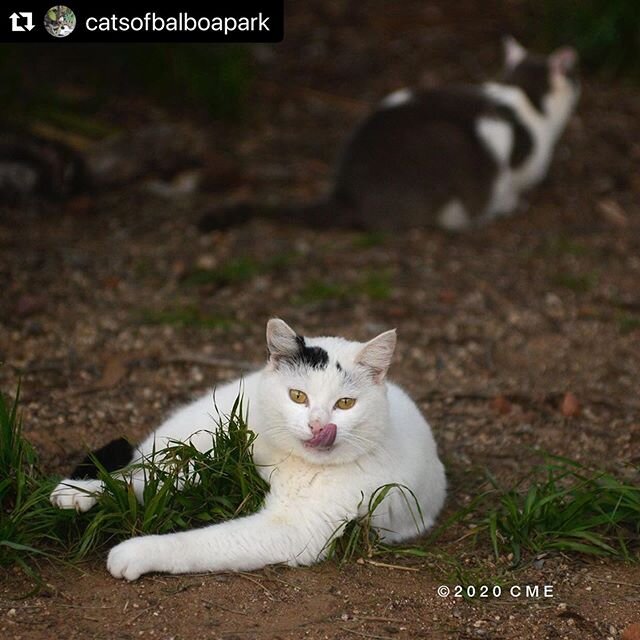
(449, 157)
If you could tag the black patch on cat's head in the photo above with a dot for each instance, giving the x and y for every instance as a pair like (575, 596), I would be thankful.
(313, 357)
(339, 366)
(533, 76)
(113, 456)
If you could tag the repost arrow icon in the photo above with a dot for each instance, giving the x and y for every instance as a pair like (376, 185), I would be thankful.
(14, 22)
(29, 17)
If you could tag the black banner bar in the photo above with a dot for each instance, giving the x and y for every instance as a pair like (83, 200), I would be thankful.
(119, 21)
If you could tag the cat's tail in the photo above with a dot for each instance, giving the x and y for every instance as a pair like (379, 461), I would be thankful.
(322, 214)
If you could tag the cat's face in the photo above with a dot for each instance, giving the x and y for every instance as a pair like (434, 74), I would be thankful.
(551, 83)
(324, 399)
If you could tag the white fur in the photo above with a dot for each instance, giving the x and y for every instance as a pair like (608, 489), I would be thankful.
(514, 52)
(395, 99)
(382, 439)
(453, 216)
(544, 128)
(76, 494)
(497, 135)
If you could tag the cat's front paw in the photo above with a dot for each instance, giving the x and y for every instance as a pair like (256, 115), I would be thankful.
(76, 494)
(132, 558)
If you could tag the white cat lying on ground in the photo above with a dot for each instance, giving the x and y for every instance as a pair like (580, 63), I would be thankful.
(330, 431)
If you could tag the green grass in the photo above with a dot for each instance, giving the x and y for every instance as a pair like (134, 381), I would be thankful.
(29, 525)
(628, 322)
(188, 316)
(561, 245)
(238, 270)
(184, 488)
(578, 283)
(232, 272)
(564, 506)
(358, 538)
(369, 239)
(373, 285)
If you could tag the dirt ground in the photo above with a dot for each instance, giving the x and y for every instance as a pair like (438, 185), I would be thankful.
(103, 321)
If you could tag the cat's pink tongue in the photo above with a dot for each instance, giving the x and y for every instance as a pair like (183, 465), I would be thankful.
(323, 439)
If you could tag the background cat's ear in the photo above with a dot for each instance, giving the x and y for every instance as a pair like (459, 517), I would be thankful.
(563, 60)
(377, 353)
(282, 340)
(514, 52)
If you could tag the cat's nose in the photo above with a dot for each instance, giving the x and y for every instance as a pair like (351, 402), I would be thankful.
(316, 426)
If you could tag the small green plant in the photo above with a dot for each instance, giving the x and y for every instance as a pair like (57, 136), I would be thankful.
(562, 245)
(232, 272)
(184, 487)
(628, 322)
(28, 522)
(565, 506)
(376, 285)
(188, 316)
(359, 538)
(373, 285)
(369, 239)
(582, 283)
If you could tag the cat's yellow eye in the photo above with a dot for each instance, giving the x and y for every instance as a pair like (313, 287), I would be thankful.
(345, 403)
(299, 397)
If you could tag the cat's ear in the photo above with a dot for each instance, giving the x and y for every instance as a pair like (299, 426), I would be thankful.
(377, 353)
(563, 61)
(282, 340)
(514, 52)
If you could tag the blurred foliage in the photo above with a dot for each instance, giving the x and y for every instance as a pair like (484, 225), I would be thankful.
(606, 33)
(73, 80)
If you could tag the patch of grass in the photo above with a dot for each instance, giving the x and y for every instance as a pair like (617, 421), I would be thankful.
(234, 271)
(561, 245)
(185, 317)
(184, 487)
(628, 322)
(564, 506)
(322, 290)
(358, 538)
(237, 270)
(29, 525)
(374, 285)
(368, 239)
(582, 283)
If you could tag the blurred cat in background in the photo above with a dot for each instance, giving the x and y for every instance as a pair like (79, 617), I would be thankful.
(454, 157)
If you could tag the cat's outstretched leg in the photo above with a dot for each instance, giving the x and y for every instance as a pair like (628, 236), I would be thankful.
(287, 534)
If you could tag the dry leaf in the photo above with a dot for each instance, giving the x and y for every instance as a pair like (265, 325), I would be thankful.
(570, 407)
(115, 368)
(501, 405)
(632, 632)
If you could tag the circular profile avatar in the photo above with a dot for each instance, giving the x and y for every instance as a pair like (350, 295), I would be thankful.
(60, 21)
